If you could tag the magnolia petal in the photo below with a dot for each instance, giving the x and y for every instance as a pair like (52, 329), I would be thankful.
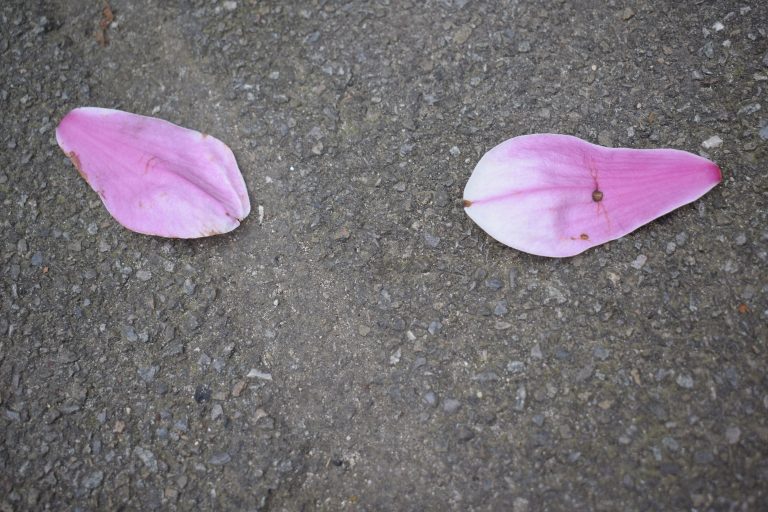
(153, 176)
(557, 195)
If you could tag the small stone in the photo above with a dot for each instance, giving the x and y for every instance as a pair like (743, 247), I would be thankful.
(129, 333)
(93, 480)
(741, 239)
(461, 35)
(709, 50)
(748, 109)
(259, 414)
(148, 373)
(230, 5)
(238, 388)
(584, 373)
(451, 405)
(512, 276)
(516, 367)
(605, 404)
(671, 247)
(431, 240)
(441, 198)
(465, 434)
(202, 393)
(485, 377)
(494, 283)
(732, 434)
(605, 138)
(764, 132)
(147, 457)
(342, 234)
(712, 142)
(204, 360)
(12, 415)
(520, 396)
(218, 364)
(430, 398)
(501, 308)
(219, 459)
(520, 505)
(536, 352)
(717, 27)
(216, 412)
(256, 374)
(435, 327)
(670, 444)
(37, 259)
(639, 262)
(627, 14)
(684, 381)
(524, 47)
(189, 322)
(454, 151)
(601, 353)
(395, 358)
(175, 348)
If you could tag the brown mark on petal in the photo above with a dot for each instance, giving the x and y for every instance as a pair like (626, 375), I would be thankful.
(76, 161)
(597, 194)
(147, 166)
(582, 236)
(467, 203)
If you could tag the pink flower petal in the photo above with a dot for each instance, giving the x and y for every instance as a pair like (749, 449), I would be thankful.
(557, 195)
(153, 176)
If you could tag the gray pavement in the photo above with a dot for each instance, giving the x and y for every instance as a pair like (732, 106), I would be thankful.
(364, 346)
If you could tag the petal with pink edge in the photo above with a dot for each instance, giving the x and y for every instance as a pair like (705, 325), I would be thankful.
(155, 177)
(557, 195)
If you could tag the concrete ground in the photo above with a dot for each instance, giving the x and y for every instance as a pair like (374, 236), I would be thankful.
(365, 346)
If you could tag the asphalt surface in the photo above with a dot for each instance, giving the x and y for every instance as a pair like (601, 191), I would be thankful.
(363, 345)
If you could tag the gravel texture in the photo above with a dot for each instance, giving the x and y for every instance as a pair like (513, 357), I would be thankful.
(358, 344)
